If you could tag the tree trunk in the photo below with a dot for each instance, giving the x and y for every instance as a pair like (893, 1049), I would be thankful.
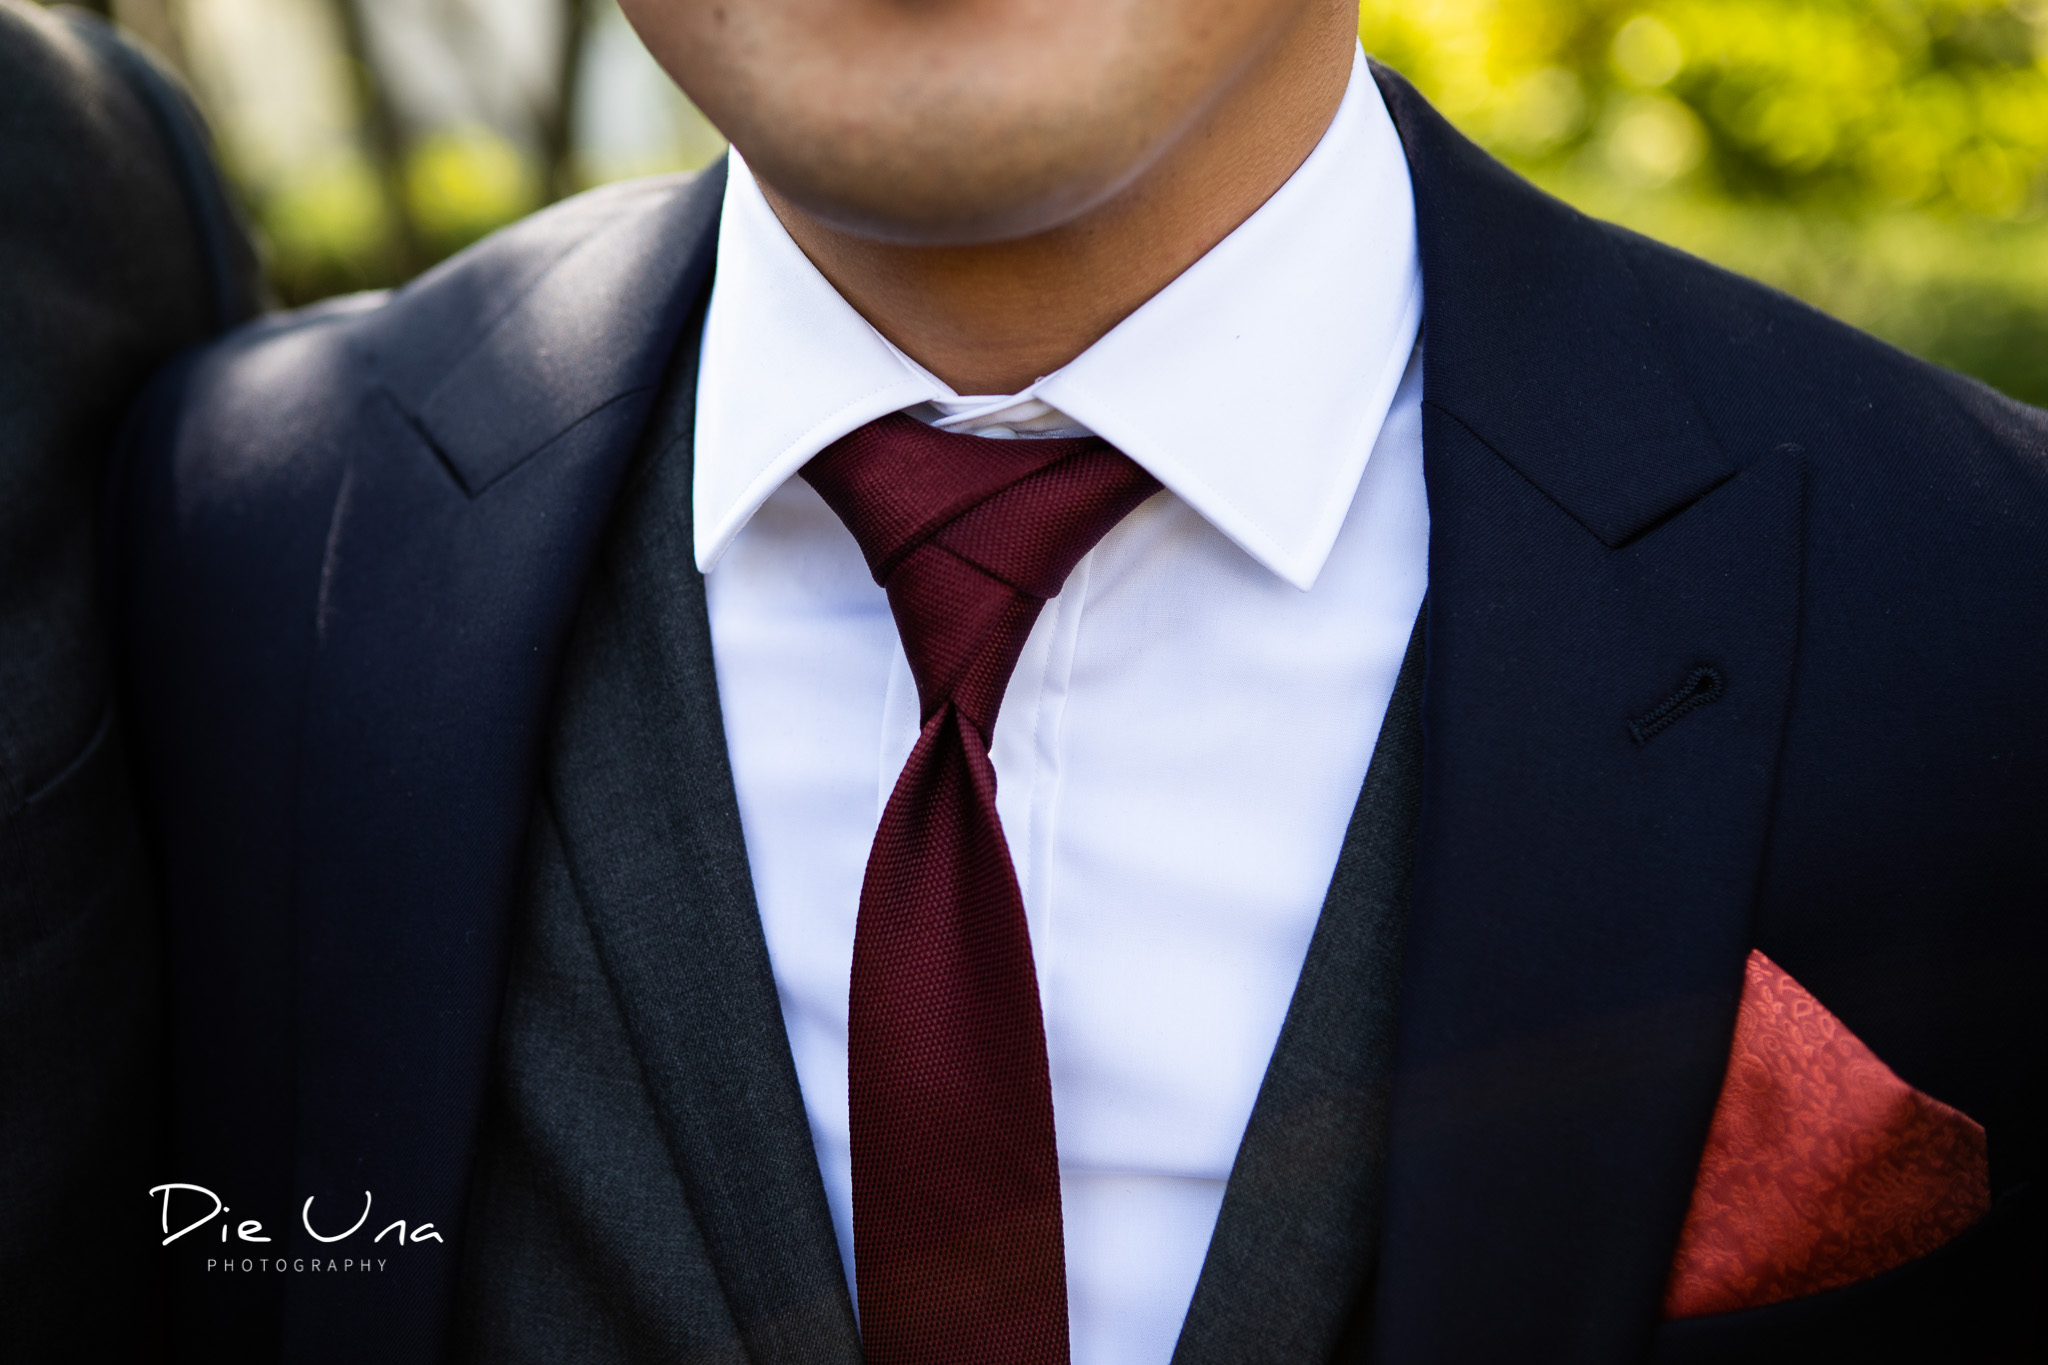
(558, 128)
(384, 136)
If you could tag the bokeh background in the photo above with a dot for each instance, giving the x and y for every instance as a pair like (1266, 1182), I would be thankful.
(1886, 160)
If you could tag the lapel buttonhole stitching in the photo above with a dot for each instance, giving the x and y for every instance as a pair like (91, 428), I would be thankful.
(1701, 686)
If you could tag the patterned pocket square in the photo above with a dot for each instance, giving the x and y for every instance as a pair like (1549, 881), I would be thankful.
(1821, 1168)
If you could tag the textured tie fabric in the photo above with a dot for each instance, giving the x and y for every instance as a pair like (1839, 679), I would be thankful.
(1822, 1167)
(958, 1254)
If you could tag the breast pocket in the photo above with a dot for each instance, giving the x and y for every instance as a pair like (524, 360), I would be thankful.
(1974, 1301)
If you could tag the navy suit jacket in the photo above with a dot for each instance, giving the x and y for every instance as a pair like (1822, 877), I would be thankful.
(355, 539)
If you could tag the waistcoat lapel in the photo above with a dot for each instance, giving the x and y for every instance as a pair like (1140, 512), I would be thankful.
(510, 390)
(640, 785)
(1582, 892)
(1294, 1244)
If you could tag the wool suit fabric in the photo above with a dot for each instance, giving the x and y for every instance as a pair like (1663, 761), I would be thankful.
(117, 249)
(1638, 466)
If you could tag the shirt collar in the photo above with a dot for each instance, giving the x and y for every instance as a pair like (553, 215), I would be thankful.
(1253, 386)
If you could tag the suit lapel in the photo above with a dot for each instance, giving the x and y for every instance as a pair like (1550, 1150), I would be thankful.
(1582, 899)
(1580, 904)
(641, 787)
(473, 493)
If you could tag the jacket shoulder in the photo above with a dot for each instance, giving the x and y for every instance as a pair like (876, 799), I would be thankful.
(1765, 364)
(265, 411)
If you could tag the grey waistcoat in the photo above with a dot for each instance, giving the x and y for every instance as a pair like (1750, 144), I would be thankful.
(647, 1189)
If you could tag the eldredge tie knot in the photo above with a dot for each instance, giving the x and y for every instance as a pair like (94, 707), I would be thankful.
(970, 536)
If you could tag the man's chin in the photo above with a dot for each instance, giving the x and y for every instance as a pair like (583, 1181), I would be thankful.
(925, 202)
(939, 222)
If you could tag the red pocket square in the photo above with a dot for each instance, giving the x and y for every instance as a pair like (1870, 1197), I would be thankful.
(1822, 1167)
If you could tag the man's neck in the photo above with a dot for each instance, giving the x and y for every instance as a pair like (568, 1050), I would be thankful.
(991, 318)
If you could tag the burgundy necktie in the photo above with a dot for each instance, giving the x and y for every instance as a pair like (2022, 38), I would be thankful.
(958, 1253)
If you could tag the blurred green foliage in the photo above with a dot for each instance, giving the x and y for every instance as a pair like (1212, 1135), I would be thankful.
(1882, 159)
(463, 184)
(328, 230)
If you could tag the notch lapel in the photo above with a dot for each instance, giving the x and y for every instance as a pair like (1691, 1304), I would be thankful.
(1582, 900)
(642, 789)
(508, 390)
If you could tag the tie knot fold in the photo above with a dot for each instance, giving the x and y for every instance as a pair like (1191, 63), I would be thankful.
(969, 536)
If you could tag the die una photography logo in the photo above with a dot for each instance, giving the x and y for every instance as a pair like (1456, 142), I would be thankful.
(246, 1246)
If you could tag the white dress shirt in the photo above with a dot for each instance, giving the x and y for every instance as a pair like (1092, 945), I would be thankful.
(1185, 736)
